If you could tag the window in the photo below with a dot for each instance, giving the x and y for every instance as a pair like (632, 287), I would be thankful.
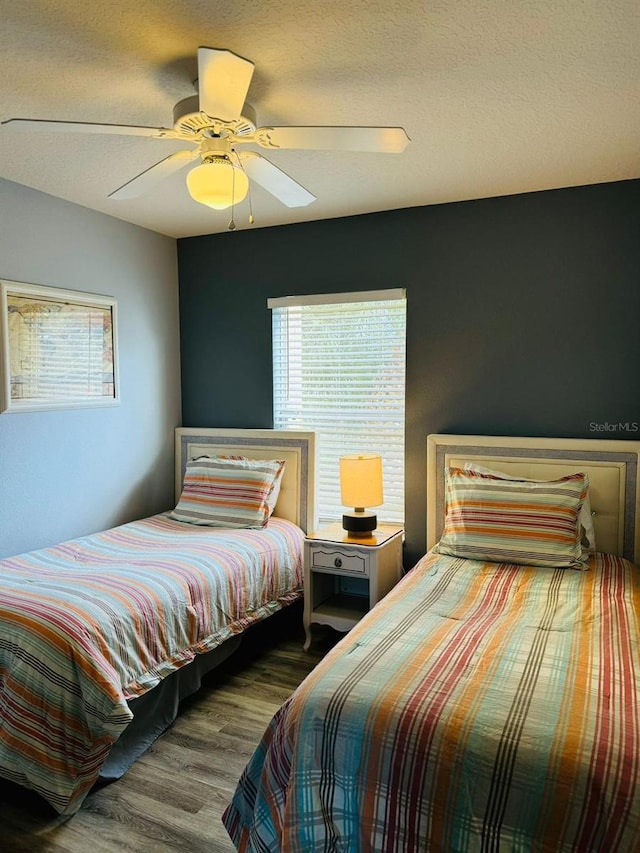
(339, 369)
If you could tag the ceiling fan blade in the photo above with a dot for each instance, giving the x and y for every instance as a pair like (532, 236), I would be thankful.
(90, 127)
(154, 174)
(274, 180)
(388, 140)
(223, 82)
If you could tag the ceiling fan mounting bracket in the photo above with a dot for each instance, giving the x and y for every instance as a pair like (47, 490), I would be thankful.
(263, 137)
(190, 121)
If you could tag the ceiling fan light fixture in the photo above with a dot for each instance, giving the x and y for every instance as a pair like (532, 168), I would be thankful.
(217, 183)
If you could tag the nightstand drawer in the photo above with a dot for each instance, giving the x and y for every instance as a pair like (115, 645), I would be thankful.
(334, 560)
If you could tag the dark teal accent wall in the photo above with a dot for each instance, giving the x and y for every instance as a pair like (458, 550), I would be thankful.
(523, 315)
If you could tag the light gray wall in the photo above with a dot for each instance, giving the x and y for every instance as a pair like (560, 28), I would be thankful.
(68, 473)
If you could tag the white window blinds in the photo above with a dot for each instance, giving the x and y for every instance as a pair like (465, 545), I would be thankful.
(339, 369)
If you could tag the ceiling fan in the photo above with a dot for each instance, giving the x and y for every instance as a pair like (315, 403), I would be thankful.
(217, 121)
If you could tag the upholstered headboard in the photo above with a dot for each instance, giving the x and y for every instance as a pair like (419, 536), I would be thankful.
(296, 498)
(613, 468)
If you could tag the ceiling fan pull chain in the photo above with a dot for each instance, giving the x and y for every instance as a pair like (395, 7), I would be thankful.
(232, 224)
(240, 165)
(251, 219)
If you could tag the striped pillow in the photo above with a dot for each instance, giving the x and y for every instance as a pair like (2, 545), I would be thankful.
(274, 494)
(226, 492)
(531, 522)
(585, 519)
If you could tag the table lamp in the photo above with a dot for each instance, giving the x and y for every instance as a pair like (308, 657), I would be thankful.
(360, 487)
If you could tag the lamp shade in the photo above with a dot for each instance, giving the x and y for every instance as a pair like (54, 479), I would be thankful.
(217, 183)
(361, 480)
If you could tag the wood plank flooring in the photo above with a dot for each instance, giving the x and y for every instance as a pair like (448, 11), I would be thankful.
(172, 799)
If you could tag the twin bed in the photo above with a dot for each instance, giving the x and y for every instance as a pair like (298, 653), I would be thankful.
(485, 704)
(100, 637)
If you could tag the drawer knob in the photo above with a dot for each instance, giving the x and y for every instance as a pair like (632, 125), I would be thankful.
(337, 563)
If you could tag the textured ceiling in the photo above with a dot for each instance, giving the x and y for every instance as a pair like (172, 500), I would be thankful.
(497, 97)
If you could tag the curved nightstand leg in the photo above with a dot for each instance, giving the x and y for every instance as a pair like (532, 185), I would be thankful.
(307, 634)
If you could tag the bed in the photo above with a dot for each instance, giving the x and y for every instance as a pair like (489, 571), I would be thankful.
(102, 636)
(482, 705)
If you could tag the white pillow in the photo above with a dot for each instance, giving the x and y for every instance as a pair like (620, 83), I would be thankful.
(585, 518)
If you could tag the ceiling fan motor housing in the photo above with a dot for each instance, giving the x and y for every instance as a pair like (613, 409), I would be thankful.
(189, 119)
(215, 147)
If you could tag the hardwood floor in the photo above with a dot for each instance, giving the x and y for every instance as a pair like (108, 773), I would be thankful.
(172, 799)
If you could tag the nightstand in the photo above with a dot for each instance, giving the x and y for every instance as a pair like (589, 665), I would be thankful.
(344, 576)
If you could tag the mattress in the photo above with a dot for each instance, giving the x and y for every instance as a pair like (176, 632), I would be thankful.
(479, 706)
(94, 622)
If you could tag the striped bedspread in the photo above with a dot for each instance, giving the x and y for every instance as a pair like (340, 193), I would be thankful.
(90, 623)
(478, 707)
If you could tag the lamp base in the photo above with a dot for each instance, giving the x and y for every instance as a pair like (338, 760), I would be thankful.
(359, 522)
